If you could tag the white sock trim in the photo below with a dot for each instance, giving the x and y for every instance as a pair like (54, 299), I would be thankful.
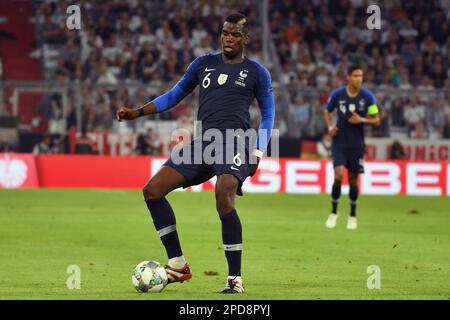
(162, 232)
(237, 278)
(177, 262)
(232, 247)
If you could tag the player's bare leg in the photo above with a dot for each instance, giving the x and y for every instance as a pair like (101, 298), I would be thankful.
(353, 195)
(155, 191)
(335, 195)
(226, 187)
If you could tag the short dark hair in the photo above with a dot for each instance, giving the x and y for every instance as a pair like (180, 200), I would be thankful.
(353, 67)
(240, 19)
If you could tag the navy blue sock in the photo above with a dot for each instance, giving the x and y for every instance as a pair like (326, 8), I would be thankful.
(165, 224)
(353, 194)
(232, 242)
(335, 194)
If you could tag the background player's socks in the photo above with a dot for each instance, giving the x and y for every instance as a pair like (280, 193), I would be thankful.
(335, 194)
(334, 204)
(353, 194)
(353, 209)
(165, 224)
(232, 241)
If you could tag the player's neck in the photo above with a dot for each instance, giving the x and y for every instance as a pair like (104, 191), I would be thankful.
(352, 92)
(238, 59)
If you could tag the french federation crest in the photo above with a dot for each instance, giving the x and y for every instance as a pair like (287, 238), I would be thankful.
(222, 79)
(361, 105)
(352, 107)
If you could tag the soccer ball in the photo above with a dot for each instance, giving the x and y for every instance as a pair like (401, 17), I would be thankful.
(149, 276)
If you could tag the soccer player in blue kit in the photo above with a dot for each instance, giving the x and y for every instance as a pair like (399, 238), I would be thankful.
(228, 82)
(356, 106)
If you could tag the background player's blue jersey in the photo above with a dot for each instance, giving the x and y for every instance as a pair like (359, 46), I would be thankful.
(351, 135)
(226, 93)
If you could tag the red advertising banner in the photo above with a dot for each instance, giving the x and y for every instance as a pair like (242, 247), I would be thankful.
(415, 150)
(86, 171)
(18, 171)
(274, 175)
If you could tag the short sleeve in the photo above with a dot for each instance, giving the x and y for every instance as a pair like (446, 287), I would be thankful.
(373, 108)
(331, 102)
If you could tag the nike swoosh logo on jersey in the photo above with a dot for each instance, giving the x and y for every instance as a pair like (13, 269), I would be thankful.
(208, 70)
(233, 168)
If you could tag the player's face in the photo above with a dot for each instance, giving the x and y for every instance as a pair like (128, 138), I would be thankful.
(233, 39)
(355, 79)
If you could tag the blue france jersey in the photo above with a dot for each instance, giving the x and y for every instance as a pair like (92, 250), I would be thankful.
(227, 90)
(351, 135)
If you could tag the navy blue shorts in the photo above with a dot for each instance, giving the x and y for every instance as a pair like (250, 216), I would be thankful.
(199, 161)
(351, 158)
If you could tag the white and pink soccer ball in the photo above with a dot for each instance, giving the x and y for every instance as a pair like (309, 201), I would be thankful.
(149, 276)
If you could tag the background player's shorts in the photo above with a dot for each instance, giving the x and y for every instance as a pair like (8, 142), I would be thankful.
(190, 161)
(351, 158)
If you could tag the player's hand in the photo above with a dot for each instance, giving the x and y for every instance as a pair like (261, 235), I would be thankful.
(125, 113)
(254, 167)
(355, 118)
(332, 130)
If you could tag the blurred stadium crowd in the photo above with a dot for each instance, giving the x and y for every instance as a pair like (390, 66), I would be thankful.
(318, 39)
(138, 48)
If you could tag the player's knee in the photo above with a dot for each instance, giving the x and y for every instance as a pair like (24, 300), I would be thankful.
(226, 186)
(224, 205)
(353, 181)
(152, 191)
(224, 202)
(225, 193)
(338, 181)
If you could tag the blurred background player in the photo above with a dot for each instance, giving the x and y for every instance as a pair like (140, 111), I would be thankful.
(228, 82)
(356, 106)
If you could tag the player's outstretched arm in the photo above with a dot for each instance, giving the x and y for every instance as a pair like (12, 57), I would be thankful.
(162, 103)
(125, 113)
(167, 100)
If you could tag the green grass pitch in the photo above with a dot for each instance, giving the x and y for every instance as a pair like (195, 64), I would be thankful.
(288, 252)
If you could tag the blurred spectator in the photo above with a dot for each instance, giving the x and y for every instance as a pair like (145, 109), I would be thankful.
(103, 119)
(149, 143)
(414, 114)
(324, 146)
(45, 146)
(302, 113)
(397, 113)
(382, 130)
(70, 116)
(51, 32)
(106, 76)
(88, 113)
(419, 131)
(131, 69)
(397, 151)
(148, 67)
(435, 119)
(6, 147)
(84, 145)
(446, 130)
(204, 47)
(317, 126)
(186, 120)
